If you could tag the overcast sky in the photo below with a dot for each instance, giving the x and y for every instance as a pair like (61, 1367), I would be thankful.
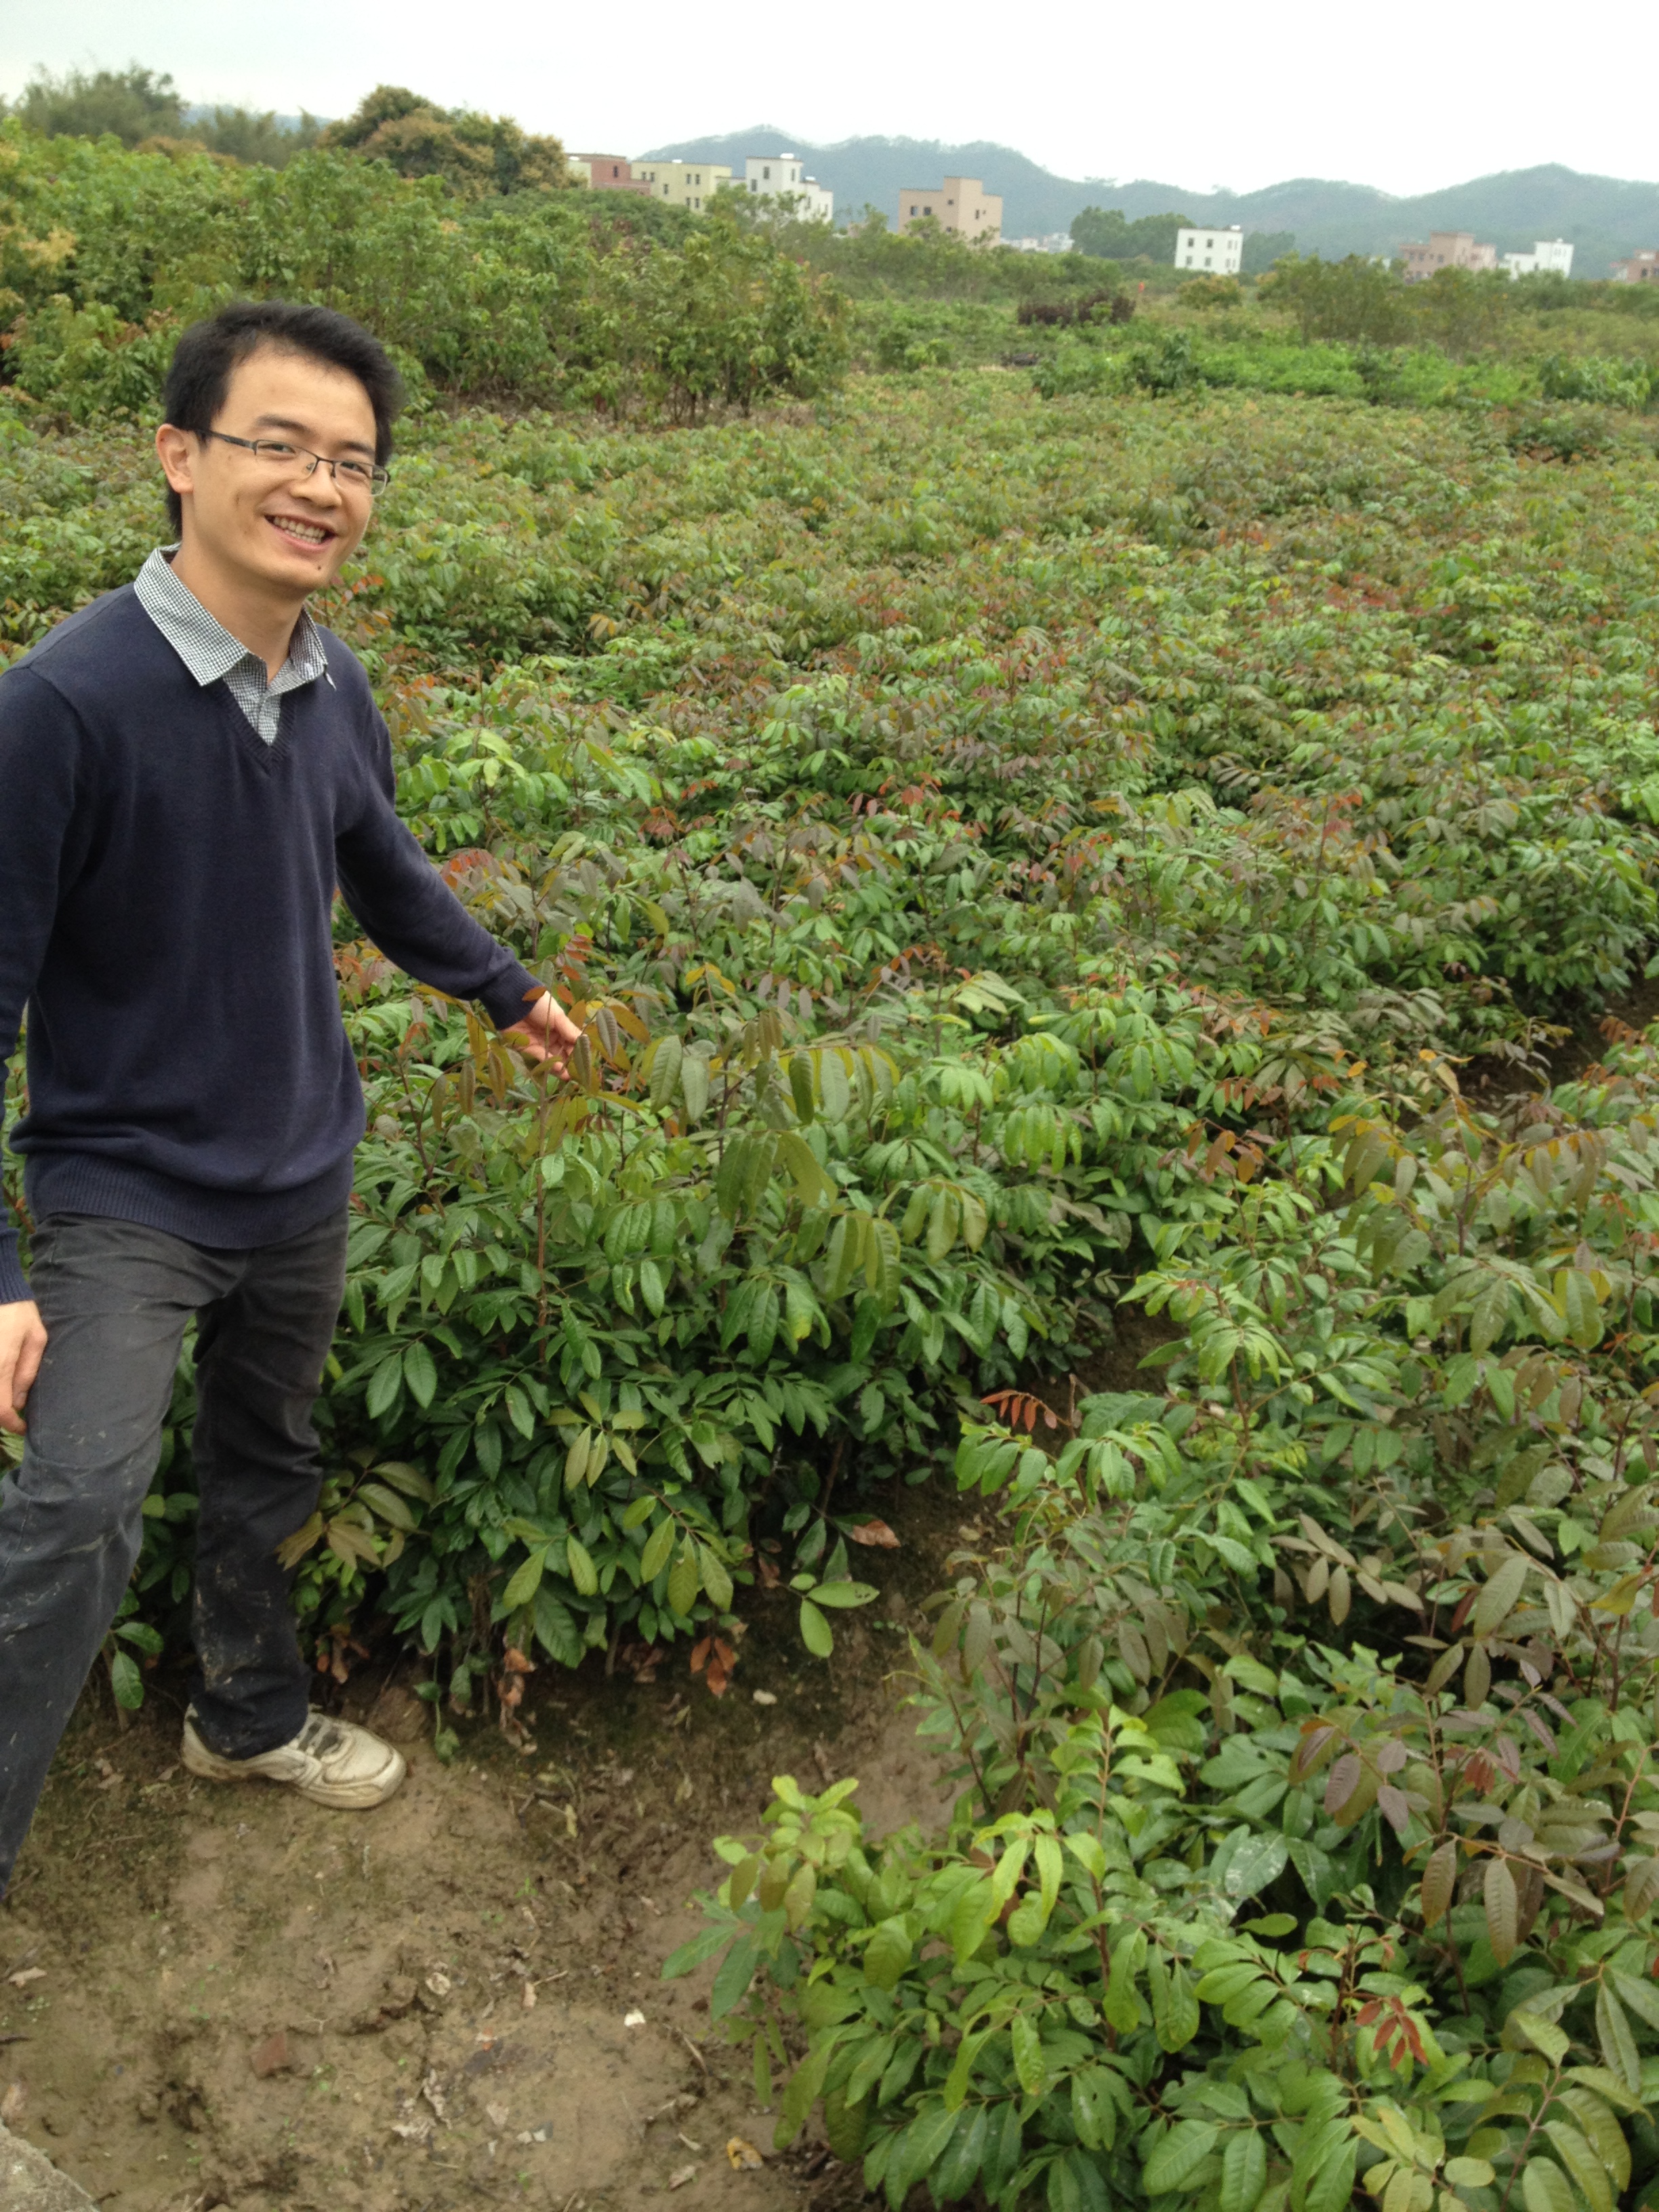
(1407, 96)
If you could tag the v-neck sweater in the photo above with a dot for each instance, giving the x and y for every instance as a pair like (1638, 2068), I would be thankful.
(166, 885)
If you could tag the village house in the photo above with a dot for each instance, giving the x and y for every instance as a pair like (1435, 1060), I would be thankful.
(1209, 247)
(685, 184)
(960, 206)
(1445, 249)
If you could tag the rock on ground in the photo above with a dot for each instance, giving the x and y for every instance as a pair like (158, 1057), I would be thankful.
(29, 2181)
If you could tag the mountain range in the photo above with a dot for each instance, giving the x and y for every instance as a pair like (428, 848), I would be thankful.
(1605, 217)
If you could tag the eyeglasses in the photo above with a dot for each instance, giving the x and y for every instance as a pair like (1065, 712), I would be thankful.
(354, 475)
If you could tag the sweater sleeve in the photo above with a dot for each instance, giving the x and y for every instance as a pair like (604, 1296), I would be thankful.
(411, 914)
(40, 746)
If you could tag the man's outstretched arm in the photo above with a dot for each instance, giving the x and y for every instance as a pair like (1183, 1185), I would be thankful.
(412, 916)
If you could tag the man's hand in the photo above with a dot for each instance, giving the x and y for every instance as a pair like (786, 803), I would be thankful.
(22, 1341)
(546, 1033)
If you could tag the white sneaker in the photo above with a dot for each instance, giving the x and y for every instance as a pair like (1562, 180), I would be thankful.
(331, 1762)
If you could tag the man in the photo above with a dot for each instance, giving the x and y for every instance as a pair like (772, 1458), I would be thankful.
(188, 767)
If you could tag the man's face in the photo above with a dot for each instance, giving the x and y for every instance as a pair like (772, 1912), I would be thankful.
(266, 521)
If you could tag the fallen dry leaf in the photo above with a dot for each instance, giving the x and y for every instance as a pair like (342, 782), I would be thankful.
(271, 2057)
(679, 2180)
(743, 2154)
(876, 1533)
(12, 2104)
(497, 2115)
(21, 1981)
(529, 1998)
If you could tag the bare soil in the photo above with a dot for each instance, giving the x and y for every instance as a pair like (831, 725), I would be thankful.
(222, 1997)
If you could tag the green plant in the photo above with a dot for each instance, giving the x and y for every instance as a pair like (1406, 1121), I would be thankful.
(1239, 1905)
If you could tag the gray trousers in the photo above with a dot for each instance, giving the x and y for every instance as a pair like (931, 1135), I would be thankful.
(116, 1299)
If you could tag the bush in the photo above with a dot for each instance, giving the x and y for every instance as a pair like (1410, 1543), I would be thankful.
(1302, 1718)
(108, 252)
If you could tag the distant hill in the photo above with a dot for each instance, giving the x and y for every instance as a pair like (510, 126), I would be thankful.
(1606, 217)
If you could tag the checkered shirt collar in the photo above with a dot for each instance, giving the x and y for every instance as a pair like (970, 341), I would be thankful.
(205, 646)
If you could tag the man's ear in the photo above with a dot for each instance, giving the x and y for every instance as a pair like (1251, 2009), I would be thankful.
(177, 451)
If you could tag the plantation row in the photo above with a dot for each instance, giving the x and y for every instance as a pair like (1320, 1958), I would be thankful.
(1015, 855)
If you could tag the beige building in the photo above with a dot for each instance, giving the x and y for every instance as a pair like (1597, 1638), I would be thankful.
(961, 206)
(1446, 249)
(685, 184)
(1641, 269)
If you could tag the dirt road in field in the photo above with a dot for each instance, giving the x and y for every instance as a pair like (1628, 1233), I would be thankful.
(224, 1997)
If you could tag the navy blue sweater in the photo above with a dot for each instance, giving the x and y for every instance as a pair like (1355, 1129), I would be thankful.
(165, 886)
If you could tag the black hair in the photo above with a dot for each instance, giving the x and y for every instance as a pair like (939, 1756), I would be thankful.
(207, 353)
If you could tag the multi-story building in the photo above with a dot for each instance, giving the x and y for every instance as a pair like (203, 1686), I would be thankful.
(1445, 249)
(1209, 246)
(1641, 268)
(960, 206)
(685, 184)
(605, 173)
(1053, 241)
(771, 176)
(1552, 255)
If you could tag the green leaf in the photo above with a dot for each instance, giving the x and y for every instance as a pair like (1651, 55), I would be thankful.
(888, 1953)
(1582, 2163)
(923, 2146)
(694, 1086)
(1331, 2185)
(1256, 1863)
(387, 1503)
(1175, 2002)
(659, 1547)
(1642, 1997)
(716, 1581)
(1497, 1598)
(684, 1582)
(696, 1952)
(384, 1387)
(815, 1631)
(126, 1682)
(1613, 2033)
(1178, 2157)
(1029, 2069)
(838, 1595)
(732, 1982)
(1243, 2170)
(526, 1581)
(420, 1373)
(580, 1566)
(959, 2169)
(1545, 2188)
(1502, 1910)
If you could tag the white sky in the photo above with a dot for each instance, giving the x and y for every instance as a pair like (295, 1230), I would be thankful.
(1407, 96)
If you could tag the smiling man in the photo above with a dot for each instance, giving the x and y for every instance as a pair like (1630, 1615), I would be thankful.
(189, 767)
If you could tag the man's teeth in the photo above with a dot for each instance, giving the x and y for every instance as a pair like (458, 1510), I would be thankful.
(312, 535)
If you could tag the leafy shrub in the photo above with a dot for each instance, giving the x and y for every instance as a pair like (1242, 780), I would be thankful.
(1607, 383)
(107, 252)
(1070, 767)
(1242, 1900)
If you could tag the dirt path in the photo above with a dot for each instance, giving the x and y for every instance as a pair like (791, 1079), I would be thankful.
(226, 1998)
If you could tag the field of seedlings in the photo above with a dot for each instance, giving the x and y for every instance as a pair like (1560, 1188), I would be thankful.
(1111, 916)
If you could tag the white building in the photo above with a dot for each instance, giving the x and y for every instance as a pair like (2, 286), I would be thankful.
(1552, 254)
(1219, 252)
(769, 176)
(1053, 241)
